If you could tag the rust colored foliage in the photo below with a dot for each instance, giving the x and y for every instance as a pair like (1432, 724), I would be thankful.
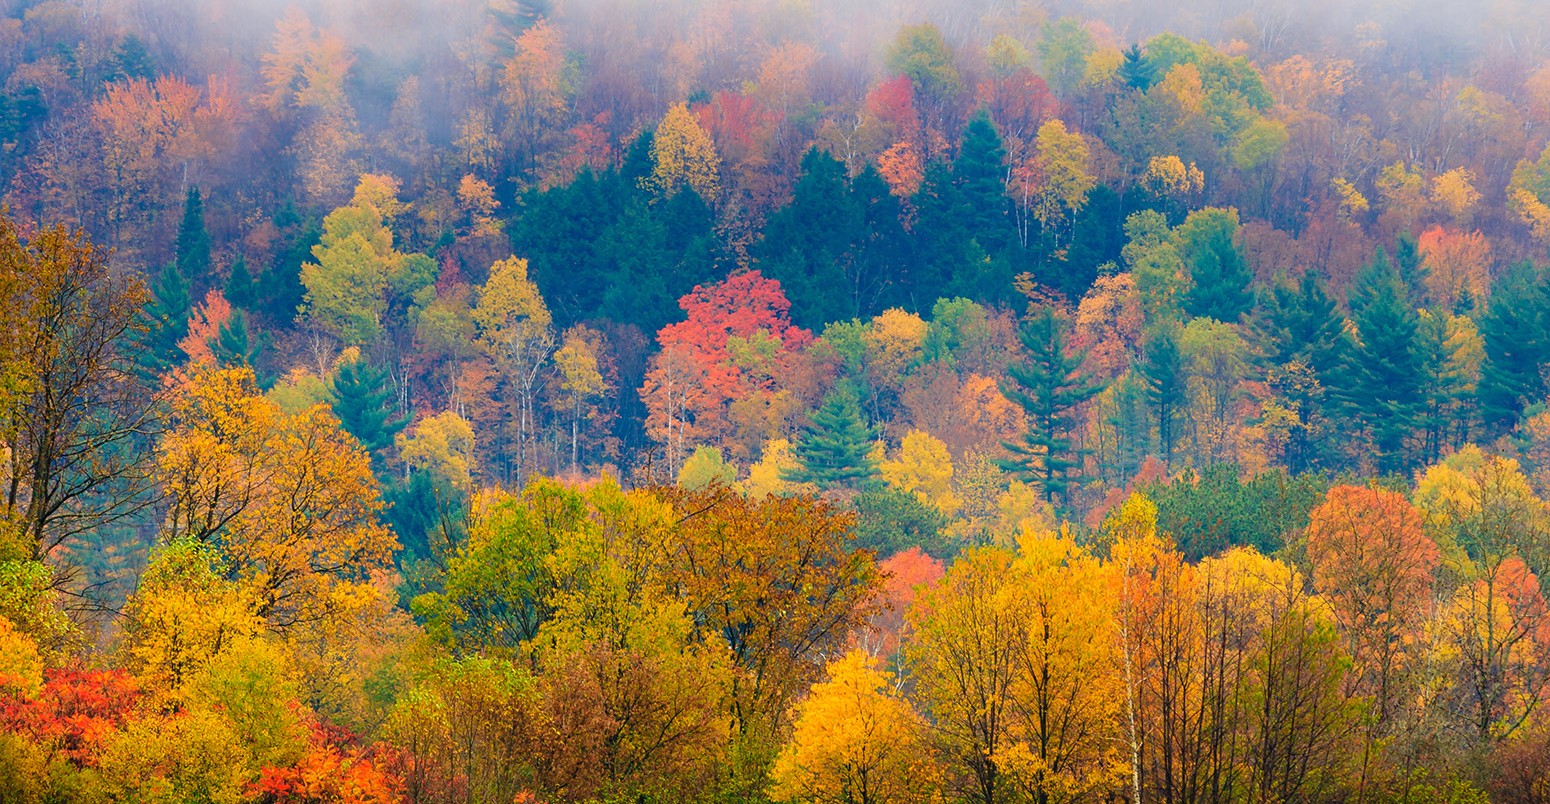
(776, 579)
(737, 341)
(74, 713)
(903, 573)
(1373, 563)
(333, 771)
(1018, 103)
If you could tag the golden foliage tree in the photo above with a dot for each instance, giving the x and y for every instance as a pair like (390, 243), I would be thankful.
(855, 741)
(289, 500)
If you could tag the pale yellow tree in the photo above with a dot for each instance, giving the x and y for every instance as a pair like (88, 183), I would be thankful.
(1454, 193)
(517, 331)
(581, 379)
(684, 156)
(923, 467)
(442, 445)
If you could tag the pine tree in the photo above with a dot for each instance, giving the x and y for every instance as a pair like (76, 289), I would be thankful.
(193, 239)
(363, 402)
(1048, 387)
(1137, 71)
(1303, 325)
(835, 448)
(1412, 269)
(235, 345)
(1162, 368)
(240, 290)
(1443, 413)
(1218, 269)
(808, 242)
(1516, 331)
(1382, 373)
(980, 175)
(166, 322)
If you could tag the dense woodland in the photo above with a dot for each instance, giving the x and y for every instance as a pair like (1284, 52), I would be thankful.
(773, 400)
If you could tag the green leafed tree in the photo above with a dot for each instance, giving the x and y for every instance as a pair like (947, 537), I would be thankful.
(1220, 273)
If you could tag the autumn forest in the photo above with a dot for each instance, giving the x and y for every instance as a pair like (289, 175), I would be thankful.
(848, 402)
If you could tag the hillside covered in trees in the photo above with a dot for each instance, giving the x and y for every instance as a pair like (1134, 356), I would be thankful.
(775, 401)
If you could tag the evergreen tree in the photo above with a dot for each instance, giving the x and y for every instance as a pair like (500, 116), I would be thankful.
(1048, 387)
(836, 445)
(428, 514)
(166, 322)
(193, 239)
(1220, 273)
(280, 290)
(1301, 335)
(980, 175)
(941, 236)
(236, 345)
(1162, 367)
(808, 242)
(1516, 331)
(239, 288)
(1412, 269)
(363, 400)
(882, 250)
(1097, 242)
(1137, 71)
(1443, 413)
(1382, 373)
(1301, 324)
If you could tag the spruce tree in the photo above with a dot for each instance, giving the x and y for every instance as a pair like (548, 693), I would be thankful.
(193, 239)
(1302, 324)
(1516, 331)
(1162, 367)
(1412, 269)
(235, 344)
(1048, 387)
(1220, 273)
(1137, 71)
(808, 243)
(835, 447)
(1382, 373)
(1444, 414)
(166, 322)
(980, 175)
(363, 402)
(239, 289)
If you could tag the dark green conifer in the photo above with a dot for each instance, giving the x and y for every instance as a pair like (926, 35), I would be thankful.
(1048, 387)
(1220, 273)
(835, 447)
(193, 247)
(1137, 71)
(1516, 331)
(239, 289)
(235, 344)
(166, 322)
(363, 401)
(1162, 367)
(1381, 387)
